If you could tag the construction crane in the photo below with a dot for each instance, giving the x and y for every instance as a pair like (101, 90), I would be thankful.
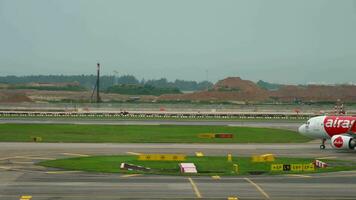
(97, 86)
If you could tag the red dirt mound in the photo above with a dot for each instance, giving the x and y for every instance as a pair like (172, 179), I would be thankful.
(229, 89)
(13, 97)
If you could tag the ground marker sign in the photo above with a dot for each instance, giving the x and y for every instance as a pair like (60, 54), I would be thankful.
(297, 167)
(309, 167)
(292, 167)
(277, 167)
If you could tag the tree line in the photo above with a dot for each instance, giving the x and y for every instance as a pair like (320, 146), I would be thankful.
(88, 81)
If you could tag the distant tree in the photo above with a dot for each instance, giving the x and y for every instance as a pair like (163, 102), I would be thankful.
(268, 86)
(88, 81)
(136, 89)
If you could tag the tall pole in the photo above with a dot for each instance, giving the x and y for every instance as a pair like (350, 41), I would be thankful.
(97, 84)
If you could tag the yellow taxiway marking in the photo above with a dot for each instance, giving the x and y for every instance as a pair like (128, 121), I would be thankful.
(18, 162)
(215, 177)
(20, 157)
(130, 175)
(61, 172)
(25, 197)
(232, 198)
(258, 188)
(195, 188)
(328, 157)
(7, 158)
(34, 158)
(299, 175)
(133, 153)
(75, 154)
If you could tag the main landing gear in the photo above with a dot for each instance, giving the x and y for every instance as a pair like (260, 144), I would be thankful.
(322, 146)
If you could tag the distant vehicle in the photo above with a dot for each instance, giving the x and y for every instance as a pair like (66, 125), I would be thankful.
(341, 130)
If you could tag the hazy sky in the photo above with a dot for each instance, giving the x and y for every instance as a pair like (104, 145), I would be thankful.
(286, 41)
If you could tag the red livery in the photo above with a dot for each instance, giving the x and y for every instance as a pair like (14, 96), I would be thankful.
(341, 130)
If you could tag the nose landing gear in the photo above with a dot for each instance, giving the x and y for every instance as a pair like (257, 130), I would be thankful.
(322, 146)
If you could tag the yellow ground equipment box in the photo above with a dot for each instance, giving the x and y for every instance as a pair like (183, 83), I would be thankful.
(162, 157)
(199, 154)
(263, 158)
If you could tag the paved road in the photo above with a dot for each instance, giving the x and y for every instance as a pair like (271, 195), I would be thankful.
(268, 124)
(19, 176)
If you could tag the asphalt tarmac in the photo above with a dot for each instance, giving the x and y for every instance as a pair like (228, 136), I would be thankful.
(19, 176)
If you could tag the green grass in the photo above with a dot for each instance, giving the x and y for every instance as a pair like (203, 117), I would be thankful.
(205, 165)
(144, 134)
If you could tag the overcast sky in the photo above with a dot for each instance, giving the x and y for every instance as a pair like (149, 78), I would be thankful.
(284, 41)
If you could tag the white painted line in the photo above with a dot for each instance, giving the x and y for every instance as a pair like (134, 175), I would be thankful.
(298, 175)
(75, 154)
(130, 175)
(329, 157)
(195, 188)
(6, 168)
(133, 153)
(258, 188)
(61, 172)
(18, 162)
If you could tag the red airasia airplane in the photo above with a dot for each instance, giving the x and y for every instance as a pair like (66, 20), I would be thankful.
(341, 130)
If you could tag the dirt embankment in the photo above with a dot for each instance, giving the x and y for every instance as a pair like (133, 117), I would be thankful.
(229, 89)
(236, 89)
(13, 97)
(318, 93)
(26, 95)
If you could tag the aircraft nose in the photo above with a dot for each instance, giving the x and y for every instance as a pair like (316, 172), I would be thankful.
(302, 129)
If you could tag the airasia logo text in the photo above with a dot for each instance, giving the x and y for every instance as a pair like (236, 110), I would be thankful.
(339, 123)
(335, 125)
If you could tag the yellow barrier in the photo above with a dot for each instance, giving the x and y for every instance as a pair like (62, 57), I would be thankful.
(207, 135)
(229, 157)
(162, 157)
(236, 168)
(263, 158)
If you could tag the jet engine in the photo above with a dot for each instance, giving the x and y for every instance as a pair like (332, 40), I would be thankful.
(343, 142)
